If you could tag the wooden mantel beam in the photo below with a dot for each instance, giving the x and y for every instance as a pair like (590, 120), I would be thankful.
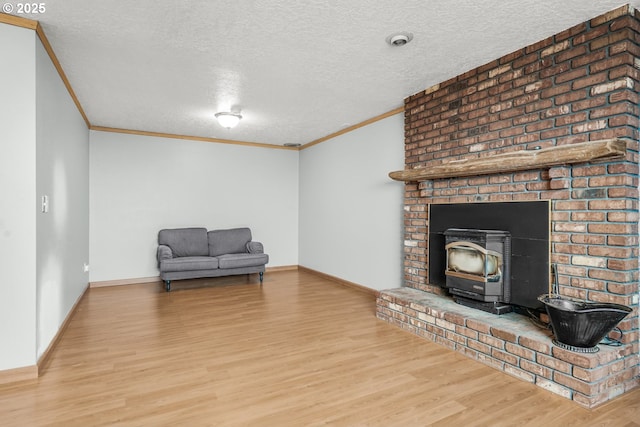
(518, 160)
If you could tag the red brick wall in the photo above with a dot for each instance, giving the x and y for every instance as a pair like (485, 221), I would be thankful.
(579, 85)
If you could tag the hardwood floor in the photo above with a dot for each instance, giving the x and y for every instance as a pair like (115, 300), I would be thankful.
(298, 351)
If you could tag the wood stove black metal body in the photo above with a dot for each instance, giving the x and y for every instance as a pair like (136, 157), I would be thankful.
(478, 268)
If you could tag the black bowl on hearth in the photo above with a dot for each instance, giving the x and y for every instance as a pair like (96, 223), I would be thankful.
(581, 325)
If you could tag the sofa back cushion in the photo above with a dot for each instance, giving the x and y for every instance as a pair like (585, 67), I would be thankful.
(185, 241)
(233, 241)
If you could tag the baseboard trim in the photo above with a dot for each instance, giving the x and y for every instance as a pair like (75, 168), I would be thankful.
(122, 282)
(14, 375)
(43, 360)
(156, 279)
(340, 281)
(282, 268)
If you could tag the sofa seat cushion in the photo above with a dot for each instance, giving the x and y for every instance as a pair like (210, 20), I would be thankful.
(242, 260)
(189, 263)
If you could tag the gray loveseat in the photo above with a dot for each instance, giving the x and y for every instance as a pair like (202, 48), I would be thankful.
(190, 253)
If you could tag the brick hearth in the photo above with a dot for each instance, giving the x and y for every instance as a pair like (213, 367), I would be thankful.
(510, 343)
(579, 85)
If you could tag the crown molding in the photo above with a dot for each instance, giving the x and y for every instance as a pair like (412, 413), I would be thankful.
(190, 138)
(63, 76)
(35, 25)
(18, 21)
(354, 127)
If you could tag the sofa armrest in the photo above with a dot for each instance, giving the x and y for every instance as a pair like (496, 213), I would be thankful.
(255, 248)
(164, 252)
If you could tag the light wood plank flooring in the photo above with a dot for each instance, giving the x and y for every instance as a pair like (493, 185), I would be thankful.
(298, 351)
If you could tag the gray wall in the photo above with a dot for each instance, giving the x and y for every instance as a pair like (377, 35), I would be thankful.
(350, 210)
(45, 146)
(62, 165)
(18, 197)
(141, 184)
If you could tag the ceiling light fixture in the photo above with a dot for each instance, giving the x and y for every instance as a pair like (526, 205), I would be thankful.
(399, 39)
(228, 120)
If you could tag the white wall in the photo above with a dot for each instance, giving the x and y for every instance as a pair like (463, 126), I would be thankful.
(18, 198)
(350, 210)
(62, 164)
(141, 184)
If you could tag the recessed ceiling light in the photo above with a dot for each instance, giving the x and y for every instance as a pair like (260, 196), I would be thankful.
(399, 39)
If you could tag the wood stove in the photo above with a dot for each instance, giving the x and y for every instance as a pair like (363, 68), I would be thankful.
(526, 275)
(478, 268)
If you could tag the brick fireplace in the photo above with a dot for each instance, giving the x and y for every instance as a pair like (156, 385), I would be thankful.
(578, 86)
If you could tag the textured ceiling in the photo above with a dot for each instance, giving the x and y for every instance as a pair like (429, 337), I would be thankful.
(297, 70)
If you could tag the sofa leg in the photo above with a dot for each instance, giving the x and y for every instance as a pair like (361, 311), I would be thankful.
(167, 285)
(261, 277)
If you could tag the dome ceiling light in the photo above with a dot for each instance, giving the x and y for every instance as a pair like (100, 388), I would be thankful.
(228, 120)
